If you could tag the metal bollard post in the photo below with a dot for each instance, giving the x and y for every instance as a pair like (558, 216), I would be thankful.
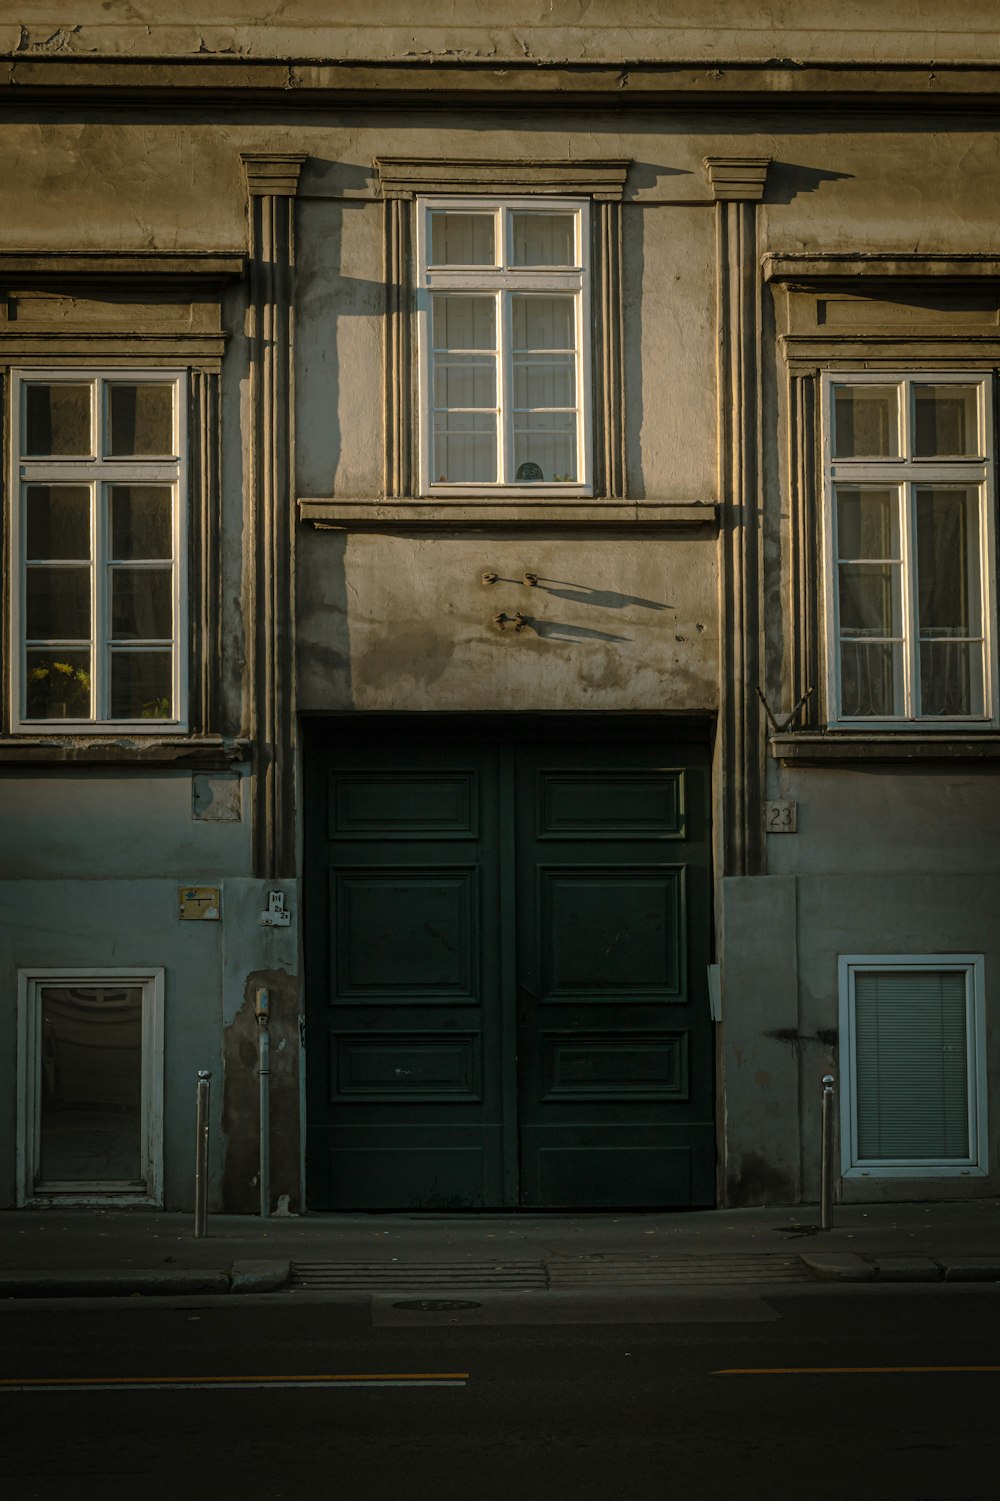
(264, 1074)
(826, 1159)
(201, 1155)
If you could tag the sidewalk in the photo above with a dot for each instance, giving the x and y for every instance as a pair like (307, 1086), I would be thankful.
(46, 1253)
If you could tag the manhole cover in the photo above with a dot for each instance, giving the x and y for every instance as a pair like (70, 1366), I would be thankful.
(436, 1305)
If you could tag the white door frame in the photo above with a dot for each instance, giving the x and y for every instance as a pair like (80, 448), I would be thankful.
(29, 984)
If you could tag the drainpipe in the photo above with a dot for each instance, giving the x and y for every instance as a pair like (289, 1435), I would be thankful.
(264, 1074)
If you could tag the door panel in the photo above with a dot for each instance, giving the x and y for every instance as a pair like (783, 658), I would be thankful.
(507, 975)
(404, 1062)
(615, 1089)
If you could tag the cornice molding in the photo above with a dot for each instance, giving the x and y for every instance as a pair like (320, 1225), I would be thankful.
(406, 176)
(808, 268)
(272, 174)
(737, 179)
(474, 512)
(181, 266)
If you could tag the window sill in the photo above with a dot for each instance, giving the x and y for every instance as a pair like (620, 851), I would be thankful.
(478, 511)
(202, 752)
(821, 747)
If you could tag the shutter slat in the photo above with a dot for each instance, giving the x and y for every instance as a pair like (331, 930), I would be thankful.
(912, 1064)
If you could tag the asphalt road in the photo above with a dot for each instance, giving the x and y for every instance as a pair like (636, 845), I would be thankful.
(767, 1394)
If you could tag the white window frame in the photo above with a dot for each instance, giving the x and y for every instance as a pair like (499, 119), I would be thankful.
(498, 280)
(98, 472)
(904, 473)
(30, 1190)
(976, 1165)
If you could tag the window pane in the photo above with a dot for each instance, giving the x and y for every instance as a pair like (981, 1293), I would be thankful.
(869, 599)
(141, 603)
(949, 598)
(57, 603)
(58, 685)
(871, 679)
(464, 322)
(543, 322)
(543, 239)
(58, 521)
(865, 422)
(141, 419)
(91, 1084)
(544, 447)
(946, 421)
(460, 239)
(544, 381)
(57, 420)
(951, 678)
(141, 685)
(867, 523)
(912, 1065)
(465, 381)
(141, 521)
(465, 448)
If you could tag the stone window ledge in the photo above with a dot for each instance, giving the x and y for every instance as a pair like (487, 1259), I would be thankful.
(818, 748)
(471, 512)
(201, 753)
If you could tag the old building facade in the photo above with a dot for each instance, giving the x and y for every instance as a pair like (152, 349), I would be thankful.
(499, 559)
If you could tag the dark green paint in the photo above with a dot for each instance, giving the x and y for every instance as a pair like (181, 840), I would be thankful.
(507, 941)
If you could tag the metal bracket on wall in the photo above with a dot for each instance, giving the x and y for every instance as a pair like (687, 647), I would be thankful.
(778, 726)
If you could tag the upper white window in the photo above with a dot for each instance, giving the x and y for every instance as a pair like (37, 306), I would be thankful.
(909, 549)
(503, 331)
(98, 539)
(913, 1066)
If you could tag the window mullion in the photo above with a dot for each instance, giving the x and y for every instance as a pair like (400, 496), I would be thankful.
(908, 603)
(100, 655)
(505, 387)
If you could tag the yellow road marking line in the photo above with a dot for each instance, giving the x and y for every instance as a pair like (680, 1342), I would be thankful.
(372, 1379)
(845, 1370)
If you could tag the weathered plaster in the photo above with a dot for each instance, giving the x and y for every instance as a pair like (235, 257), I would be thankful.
(403, 622)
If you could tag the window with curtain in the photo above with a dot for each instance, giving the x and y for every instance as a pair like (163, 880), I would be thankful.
(909, 521)
(503, 319)
(913, 1037)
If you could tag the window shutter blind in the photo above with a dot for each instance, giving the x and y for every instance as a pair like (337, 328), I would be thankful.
(912, 1065)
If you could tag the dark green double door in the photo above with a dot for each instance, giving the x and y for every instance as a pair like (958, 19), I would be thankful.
(507, 946)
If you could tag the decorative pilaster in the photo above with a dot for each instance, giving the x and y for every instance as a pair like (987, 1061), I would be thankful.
(609, 370)
(804, 531)
(737, 185)
(272, 182)
(206, 564)
(397, 478)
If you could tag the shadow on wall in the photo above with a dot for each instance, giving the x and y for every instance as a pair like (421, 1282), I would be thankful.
(633, 268)
(786, 180)
(323, 642)
(324, 296)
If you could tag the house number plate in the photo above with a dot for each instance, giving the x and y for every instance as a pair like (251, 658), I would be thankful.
(781, 818)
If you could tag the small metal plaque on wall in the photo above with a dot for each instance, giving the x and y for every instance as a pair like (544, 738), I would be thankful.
(200, 903)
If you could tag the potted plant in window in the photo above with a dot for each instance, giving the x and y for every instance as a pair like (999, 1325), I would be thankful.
(58, 690)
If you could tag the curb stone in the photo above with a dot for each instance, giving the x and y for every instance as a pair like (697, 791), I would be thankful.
(971, 1269)
(907, 1269)
(259, 1276)
(116, 1283)
(839, 1266)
